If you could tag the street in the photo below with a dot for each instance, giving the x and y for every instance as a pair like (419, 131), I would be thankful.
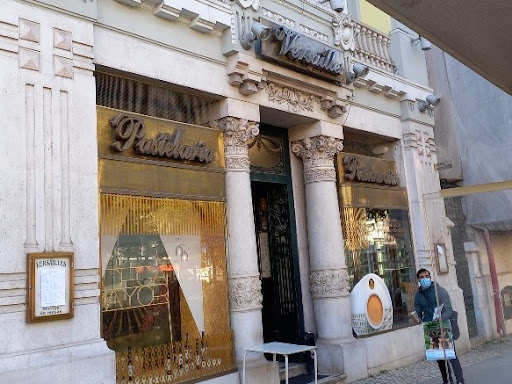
(489, 364)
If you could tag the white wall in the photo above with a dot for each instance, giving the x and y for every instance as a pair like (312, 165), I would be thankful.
(49, 192)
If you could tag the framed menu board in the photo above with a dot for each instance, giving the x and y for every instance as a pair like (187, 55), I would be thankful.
(50, 286)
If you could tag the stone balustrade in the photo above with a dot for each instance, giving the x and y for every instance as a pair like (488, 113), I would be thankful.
(372, 47)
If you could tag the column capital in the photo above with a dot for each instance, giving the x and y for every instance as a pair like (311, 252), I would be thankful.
(329, 283)
(318, 153)
(236, 131)
(245, 294)
(236, 134)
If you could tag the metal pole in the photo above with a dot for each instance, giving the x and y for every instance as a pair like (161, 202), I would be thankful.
(495, 285)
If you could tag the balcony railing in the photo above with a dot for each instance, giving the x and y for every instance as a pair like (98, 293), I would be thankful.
(372, 47)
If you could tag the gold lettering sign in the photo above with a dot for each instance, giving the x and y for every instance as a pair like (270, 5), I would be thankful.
(357, 168)
(130, 132)
(150, 156)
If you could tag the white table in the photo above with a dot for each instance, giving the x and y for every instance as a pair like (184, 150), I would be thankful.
(283, 349)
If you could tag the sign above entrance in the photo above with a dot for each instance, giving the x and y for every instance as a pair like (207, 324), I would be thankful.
(130, 132)
(129, 136)
(140, 154)
(365, 169)
(290, 48)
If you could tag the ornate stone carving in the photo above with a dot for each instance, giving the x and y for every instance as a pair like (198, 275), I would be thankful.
(423, 142)
(255, 4)
(236, 131)
(322, 174)
(236, 134)
(315, 34)
(318, 148)
(329, 283)
(238, 163)
(271, 15)
(318, 153)
(344, 32)
(301, 10)
(245, 294)
(410, 140)
(296, 100)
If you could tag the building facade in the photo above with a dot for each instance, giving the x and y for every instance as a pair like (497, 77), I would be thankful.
(474, 151)
(223, 174)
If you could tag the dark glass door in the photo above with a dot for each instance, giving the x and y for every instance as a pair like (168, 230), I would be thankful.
(276, 236)
(272, 215)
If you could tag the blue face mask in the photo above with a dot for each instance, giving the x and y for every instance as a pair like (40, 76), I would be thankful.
(425, 282)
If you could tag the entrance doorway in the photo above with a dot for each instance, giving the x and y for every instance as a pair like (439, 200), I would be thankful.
(276, 237)
(280, 312)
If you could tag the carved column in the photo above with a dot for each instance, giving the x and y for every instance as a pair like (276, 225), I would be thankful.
(328, 275)
(244, 279)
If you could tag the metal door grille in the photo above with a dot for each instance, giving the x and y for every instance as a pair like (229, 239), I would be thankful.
(280, 298)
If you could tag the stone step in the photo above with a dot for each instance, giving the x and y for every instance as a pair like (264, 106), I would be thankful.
(294, 369)
(309, 379)
(335, 379)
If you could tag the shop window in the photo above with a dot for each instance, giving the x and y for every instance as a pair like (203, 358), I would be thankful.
(151, 99)
(378, 241)
(164, 296)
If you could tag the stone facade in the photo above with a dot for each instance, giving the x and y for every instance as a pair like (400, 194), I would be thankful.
(49, 53)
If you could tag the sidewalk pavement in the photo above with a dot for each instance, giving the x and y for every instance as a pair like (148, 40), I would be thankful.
(490, 363)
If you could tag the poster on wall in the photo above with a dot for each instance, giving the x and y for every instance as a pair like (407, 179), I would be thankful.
(50, 286)
(438, 340)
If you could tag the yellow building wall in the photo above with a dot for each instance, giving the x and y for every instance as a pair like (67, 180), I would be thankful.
(374, 17)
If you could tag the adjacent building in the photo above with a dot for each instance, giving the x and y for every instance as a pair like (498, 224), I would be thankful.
(197, 177)
(473, 136)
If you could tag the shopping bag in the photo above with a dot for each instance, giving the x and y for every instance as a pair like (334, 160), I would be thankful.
(438, 338)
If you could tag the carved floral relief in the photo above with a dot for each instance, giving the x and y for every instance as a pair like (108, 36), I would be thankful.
(245, 293)
(318, 153)
(329, 283)
(296, 100)
(236, 131)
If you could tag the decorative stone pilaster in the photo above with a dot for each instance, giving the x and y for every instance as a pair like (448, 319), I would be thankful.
(318, 154)
(426, 209)
(236, 134)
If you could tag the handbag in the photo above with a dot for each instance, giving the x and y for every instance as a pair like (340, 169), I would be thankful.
(454, 320)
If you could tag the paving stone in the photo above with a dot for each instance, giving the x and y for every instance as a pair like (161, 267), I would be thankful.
(428, 369)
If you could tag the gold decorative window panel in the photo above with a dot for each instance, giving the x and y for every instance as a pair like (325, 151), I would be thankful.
(164, 297)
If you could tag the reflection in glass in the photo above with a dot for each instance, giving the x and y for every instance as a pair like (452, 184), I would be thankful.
(266, 154)
(378, 241)
(164, 294)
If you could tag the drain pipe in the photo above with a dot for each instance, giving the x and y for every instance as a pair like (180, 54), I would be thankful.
(495, 286)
